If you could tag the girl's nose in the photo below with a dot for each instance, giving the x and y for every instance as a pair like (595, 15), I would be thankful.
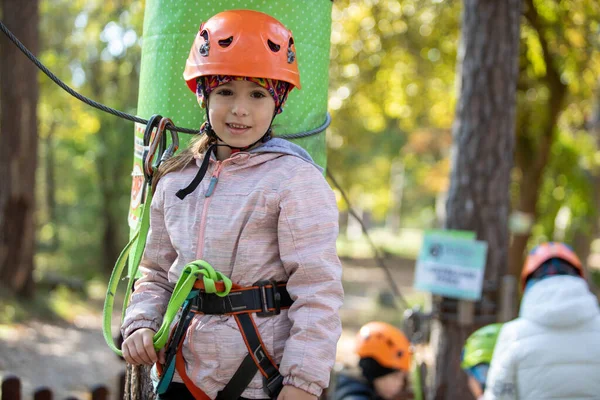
(239, 109)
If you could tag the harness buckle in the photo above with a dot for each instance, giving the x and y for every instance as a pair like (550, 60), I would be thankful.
(273, 386)
(264, 300)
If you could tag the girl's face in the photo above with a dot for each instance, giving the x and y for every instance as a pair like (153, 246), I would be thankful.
(390, 385)
(240, 112)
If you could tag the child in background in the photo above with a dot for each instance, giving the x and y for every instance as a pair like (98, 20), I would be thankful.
(477, 357)
(385, 366)
(552, 351)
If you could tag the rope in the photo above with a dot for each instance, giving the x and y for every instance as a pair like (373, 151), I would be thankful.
(122, 114)
(376, 251)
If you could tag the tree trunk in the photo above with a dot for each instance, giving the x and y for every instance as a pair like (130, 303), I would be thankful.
(478, 198)
(533, 150)
(18, 147)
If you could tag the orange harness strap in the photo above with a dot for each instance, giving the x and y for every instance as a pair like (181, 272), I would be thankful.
(180, 367)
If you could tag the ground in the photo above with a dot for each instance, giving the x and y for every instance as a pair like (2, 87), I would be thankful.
(71, 358)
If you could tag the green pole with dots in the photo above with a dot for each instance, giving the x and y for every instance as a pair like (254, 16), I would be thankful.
(170, 27)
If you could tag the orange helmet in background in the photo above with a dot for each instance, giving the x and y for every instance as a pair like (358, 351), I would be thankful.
(243, 43)
(384, 343)
(547, 251)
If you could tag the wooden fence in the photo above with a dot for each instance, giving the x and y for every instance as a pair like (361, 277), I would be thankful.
(11, 390)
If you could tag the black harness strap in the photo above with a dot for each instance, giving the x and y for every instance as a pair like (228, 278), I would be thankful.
(264, 298)
(258, 352)
(240, 380)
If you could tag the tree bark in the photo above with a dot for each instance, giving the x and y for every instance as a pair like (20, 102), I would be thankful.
(18, 147)
(138, 385)
(482, 159)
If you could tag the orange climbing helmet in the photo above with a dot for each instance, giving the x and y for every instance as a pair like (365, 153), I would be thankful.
(243, 43)
(547, 251)
(384, 343)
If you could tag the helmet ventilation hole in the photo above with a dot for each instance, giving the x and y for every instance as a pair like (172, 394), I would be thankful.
(291, 55)
(226, 42)
(273, 46)
(205, 47)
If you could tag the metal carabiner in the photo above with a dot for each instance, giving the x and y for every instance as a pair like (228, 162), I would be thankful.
(168, 153)
(158, 141)
(152, 123)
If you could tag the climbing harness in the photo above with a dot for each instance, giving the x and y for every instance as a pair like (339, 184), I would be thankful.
(264, 298)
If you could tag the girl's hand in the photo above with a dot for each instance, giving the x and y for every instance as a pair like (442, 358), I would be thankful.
(139, 349)
(293, 393)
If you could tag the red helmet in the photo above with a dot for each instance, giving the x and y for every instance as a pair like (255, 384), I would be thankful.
(547, 251)
(243, 43)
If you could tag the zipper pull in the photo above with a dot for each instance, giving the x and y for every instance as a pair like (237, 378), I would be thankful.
(211, 186)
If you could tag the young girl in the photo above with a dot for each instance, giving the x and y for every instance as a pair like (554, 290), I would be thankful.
(259, 211)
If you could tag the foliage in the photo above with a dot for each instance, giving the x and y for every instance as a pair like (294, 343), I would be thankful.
(564, 39)
(84, 178)
(392, 98)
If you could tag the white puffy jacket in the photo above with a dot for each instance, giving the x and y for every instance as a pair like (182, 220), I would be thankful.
(552, 351)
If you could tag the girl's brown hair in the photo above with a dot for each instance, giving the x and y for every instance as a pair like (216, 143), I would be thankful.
(197, 146)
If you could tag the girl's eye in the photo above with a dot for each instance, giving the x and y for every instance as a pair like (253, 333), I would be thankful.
(258, 94)
(225, 92)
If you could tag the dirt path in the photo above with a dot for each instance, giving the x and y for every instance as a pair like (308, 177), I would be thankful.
(70, 359)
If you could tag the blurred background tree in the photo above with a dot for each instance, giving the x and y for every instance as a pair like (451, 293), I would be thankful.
(18, 149)
(85, 155)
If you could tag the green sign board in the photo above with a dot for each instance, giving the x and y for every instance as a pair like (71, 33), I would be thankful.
(451, 264)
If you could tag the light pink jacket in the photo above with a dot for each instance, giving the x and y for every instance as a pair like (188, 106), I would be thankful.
(271, 215)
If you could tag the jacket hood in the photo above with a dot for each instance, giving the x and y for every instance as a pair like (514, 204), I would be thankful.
(282, 146)
(559, 301)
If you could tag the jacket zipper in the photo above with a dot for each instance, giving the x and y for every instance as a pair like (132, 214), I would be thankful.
(211, 188)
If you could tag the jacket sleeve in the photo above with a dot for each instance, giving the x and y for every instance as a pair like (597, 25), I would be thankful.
(153, 290)
(502, 377)
(307, 233)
